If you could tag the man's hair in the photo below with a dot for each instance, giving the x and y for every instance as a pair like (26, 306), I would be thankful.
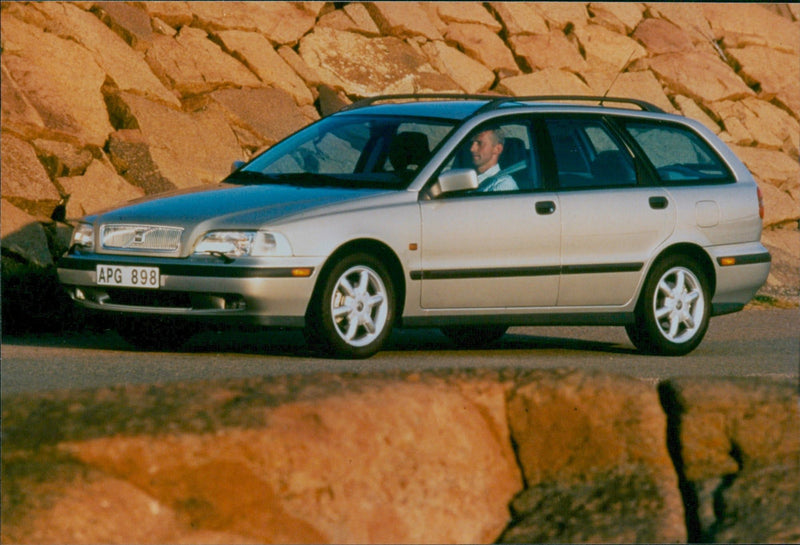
(499, 135)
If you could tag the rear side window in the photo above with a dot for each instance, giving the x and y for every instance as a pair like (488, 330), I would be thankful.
(587, 155)
(678, 154)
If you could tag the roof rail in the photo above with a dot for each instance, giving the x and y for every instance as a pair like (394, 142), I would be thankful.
(495, 101)
(645, 106)
(419, 96)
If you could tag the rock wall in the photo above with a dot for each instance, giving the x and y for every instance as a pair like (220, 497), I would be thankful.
(106, 101)
(468, 457)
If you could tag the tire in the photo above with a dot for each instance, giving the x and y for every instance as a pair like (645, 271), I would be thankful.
(673, 311)
(153, 333)
(474, 336)
(355, 311)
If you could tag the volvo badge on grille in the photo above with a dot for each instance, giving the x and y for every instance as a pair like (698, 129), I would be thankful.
(139, 235)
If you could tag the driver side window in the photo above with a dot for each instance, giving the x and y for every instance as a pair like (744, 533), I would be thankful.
(501, 154)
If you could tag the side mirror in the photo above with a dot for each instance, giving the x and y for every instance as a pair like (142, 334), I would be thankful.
(457, 179)
(236, 165)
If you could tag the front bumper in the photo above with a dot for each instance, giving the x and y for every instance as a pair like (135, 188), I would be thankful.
(258, 291)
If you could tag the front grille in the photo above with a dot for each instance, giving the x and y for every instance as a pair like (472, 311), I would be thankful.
(152, 238)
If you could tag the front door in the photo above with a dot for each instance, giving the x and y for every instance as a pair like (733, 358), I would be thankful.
(487, 251)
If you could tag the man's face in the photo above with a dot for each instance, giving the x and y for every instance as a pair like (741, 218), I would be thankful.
(485, 150)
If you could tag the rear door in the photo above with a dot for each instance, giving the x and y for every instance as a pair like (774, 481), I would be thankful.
(611, 223)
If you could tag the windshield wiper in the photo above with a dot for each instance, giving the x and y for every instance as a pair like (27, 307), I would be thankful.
(308, 179)
(305, 179)
(247, 177)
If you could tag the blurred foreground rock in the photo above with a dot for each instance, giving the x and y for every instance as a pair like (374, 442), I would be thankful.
(333, 460)
(736, 445)
(544, 456)
(592, 450)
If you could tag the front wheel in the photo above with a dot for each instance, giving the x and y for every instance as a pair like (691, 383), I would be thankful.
(673, 311)
(355, 312)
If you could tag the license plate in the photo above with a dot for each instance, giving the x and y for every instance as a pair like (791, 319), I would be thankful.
(128, 277)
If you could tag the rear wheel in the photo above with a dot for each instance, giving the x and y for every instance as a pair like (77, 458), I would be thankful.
(673, 312)
(474, 336)
(355, 312)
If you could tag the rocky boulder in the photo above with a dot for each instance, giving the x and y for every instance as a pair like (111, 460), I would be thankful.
(413, 459)
(435, 457)
(25, 180)
(86, 199)
(377, 65)
(42, 67)
(737, 451)
(23, 236)
(171, 93)
(595, 464)
(255, 52)
(485, 46)
(121, 63)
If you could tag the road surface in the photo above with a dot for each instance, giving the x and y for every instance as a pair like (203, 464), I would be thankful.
(758, 342)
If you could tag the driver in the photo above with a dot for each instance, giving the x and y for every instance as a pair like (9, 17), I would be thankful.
(485, 149)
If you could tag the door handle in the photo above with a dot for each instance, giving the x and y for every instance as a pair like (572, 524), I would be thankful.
(658, 203)
(544, 208)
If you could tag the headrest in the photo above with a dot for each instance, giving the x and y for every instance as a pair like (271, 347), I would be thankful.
(409, 150)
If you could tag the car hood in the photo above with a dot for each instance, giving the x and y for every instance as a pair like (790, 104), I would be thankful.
(232, 206)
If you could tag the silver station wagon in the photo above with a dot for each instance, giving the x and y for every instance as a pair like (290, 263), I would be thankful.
(467, 213)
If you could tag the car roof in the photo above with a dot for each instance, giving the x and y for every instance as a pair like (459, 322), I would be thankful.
(459, 107)
(439, 109)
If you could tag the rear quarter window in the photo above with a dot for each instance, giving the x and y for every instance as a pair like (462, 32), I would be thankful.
(679, 155)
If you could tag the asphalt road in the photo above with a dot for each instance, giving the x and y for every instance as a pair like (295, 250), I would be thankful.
(750, 343)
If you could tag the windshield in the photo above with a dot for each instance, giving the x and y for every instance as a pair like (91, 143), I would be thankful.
(350, 151)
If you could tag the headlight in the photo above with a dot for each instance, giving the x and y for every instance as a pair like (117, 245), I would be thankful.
(83, 236)
(243, 243)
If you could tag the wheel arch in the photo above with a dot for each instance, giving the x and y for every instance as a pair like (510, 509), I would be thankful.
(367, 246)
(685, 332)
(696, 253)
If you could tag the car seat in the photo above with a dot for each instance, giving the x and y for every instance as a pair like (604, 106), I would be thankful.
(611, 168)
(408, 151)
(514, 153)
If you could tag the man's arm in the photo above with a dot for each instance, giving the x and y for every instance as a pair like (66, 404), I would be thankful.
(501, 183)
